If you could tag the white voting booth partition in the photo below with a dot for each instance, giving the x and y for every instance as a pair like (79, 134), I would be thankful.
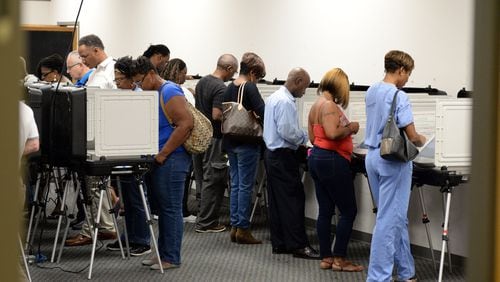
(121, 123)
(453, 133)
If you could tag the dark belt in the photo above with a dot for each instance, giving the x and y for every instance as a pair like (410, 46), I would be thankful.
(287, 150)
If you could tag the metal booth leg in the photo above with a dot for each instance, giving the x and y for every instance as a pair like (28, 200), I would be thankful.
(426, 221)
(36, 207)
(127, 243)
(140, 183)
(62, 213)
(374, 205)
(445, 237)
(260, 192)
(24, 259)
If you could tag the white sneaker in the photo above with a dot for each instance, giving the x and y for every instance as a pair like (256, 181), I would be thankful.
(190, 219)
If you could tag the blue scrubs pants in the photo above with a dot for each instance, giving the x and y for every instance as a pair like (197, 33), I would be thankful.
(391, 186)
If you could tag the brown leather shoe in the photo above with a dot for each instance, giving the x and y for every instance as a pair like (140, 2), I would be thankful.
(80, 240)
(106, 235)
(243, 236)
(232, 235)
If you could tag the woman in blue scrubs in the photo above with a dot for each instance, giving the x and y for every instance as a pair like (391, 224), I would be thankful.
(390, 180)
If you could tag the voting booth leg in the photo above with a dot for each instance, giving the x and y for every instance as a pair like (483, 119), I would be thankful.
(425, 221)
(35, 208)
(40, 208)
(115, 223)
(261, 193)
(140, 183)
(102, 188)
(62, 213)
(25, 262)
(448, 189)
(445, 237)
(120, 194)
(374, 205)
(78, 193)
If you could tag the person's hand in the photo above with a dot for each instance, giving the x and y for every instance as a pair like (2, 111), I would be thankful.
(422, 140)
(353, 127)
(160, 159)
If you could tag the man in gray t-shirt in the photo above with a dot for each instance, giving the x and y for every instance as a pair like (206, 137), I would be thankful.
(210, 168)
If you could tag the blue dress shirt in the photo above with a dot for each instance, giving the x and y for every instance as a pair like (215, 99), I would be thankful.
(281, 122)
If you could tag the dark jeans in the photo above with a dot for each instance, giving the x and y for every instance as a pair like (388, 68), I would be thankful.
(135, 215)
(168, 189)
(334, 187)
(286, 199)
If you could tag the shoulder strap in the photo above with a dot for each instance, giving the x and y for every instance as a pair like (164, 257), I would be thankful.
(393, 106)
(241, 90)
(162, 102)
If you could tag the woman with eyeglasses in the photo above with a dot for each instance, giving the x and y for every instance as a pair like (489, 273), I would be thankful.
(135, 216)
(49, 69)
(244, 155)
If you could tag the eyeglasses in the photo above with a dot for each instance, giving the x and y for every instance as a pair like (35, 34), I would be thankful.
(139, 83)
(118, 80)
(44, 74)
(73, 65)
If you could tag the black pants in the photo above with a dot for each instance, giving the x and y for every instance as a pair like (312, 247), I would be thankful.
(286, 199)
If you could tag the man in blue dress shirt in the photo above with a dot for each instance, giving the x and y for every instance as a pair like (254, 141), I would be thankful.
(283, 135)
(77, 69)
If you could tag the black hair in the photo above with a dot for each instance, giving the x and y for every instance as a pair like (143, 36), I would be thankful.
(91, 40)
(123, 65)
(156, 49)
(141, 66)
(172, 69)
(53, 62)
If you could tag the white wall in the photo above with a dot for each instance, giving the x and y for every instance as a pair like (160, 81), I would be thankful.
(316, 34)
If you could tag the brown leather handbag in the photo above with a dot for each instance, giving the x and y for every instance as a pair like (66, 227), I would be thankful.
(237, 122)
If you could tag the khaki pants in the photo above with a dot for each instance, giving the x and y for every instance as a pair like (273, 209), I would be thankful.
(106, 219)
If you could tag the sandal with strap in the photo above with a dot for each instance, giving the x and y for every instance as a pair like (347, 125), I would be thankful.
(326, 263)
(346, 266)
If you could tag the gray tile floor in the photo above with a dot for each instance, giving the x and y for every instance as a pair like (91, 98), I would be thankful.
(208, 257)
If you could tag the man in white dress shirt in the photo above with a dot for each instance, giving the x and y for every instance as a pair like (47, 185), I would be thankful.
(91, 51)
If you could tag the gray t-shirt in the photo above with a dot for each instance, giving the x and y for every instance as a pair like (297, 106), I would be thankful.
(209, 92)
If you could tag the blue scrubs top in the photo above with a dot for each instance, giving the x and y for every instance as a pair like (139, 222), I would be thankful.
(378, 104)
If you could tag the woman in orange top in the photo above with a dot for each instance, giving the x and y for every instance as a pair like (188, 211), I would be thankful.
(329, 165)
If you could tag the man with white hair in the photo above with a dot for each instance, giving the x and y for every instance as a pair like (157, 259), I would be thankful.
(77, 69)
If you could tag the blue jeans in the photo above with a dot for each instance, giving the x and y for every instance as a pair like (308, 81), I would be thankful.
(168, 190)
(334, 187)
(243, 162)
(135, 216)
(391, 185)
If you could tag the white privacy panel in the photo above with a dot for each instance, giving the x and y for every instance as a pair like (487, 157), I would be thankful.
(453, 133)
(126, 123)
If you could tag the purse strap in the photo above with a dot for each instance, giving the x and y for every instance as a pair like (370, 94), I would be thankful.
(162, 102)
(241, 90)
(393, 106)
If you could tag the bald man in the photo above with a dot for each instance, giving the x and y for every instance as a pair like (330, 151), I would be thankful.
(212, 164)
(283, 135)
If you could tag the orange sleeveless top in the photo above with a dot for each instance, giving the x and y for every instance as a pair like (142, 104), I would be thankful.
(342, 146)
